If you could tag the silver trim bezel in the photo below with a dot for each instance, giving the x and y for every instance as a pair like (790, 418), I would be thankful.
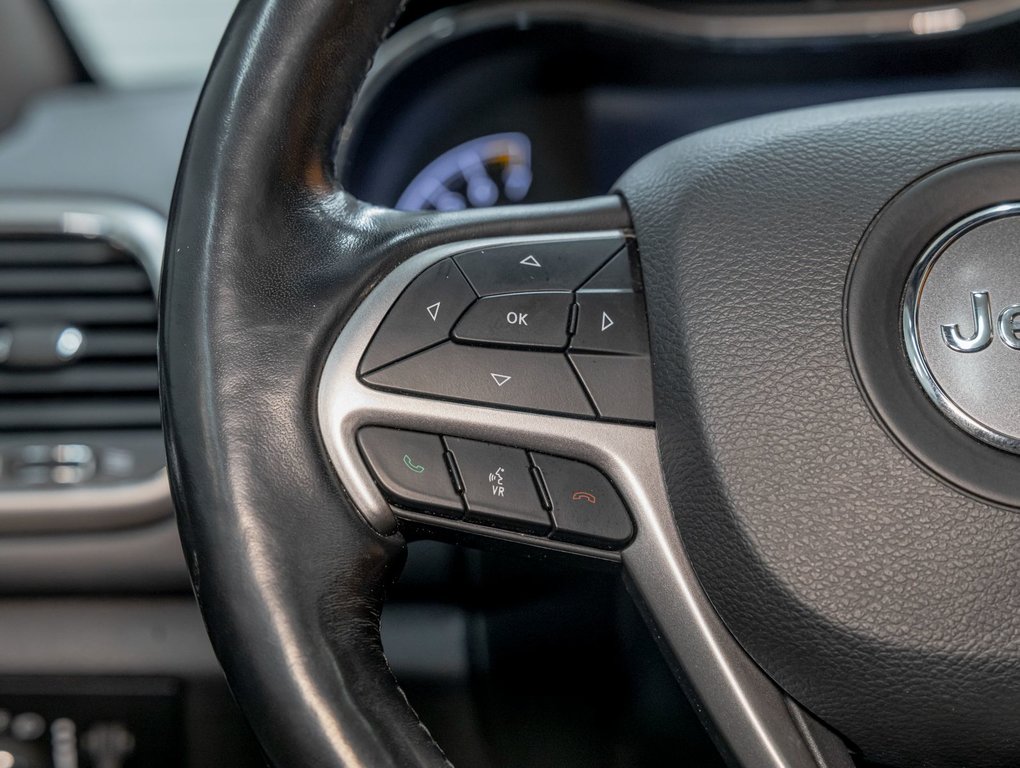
(911, 334)
(141, 232)
(747, 707)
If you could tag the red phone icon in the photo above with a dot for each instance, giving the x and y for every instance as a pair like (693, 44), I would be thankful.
(583, 496)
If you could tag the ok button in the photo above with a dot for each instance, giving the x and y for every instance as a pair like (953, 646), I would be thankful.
(518, 320)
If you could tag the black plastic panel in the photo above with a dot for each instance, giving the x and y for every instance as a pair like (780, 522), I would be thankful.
(537, 320)
(534, 381)
(555, 502)
(585, 506)
(620, 386)
(528, 303)
(412, 468)
(612, 323)
(554, 266)
(498, 486)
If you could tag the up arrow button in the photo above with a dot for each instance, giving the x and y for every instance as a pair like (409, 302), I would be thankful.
(553, 265)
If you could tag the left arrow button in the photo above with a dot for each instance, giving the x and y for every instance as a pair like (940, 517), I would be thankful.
(423, 315)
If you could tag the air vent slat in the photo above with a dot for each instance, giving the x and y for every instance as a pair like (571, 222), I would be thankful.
(78, 311)
(81, 378)
(49, 281)
(78, 326)
(71, 251)
(120, 343)
(106, 413)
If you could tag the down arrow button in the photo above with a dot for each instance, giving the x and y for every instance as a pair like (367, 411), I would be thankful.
(532, 381)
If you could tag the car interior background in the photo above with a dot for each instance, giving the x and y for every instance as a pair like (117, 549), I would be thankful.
(510, 660)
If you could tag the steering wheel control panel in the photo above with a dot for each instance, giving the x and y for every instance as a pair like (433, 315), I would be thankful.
(497, 486)
(550, 327)
(498, 391)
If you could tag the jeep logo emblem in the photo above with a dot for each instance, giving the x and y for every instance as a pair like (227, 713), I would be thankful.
(1005, 326)
(960, 321)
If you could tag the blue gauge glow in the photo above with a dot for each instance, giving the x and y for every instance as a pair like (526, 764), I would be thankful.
(479, 173)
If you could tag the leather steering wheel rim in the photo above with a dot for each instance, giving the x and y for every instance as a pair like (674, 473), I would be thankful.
(263, 239)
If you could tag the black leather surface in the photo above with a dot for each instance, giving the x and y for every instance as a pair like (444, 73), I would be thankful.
(265, 260)
(884, 601)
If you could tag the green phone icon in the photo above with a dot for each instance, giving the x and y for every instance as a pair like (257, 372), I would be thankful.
(412, 466)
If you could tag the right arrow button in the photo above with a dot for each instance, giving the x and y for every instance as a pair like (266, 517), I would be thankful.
(610, 322)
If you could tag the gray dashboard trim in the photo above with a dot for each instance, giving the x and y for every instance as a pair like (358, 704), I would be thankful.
(141, 559)
(50, 636)
(745, 705)
(141, 232)
(87, 142)
(105, 636)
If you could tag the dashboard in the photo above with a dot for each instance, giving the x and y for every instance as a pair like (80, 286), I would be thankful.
(468, 105)
(496, 106)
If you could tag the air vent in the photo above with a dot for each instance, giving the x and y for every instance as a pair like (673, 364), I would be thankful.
(80, 440)
(77, 336)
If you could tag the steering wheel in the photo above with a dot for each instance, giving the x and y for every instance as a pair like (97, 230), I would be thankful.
(805, 468)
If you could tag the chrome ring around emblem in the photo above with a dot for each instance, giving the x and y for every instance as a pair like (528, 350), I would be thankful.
(986, 325)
